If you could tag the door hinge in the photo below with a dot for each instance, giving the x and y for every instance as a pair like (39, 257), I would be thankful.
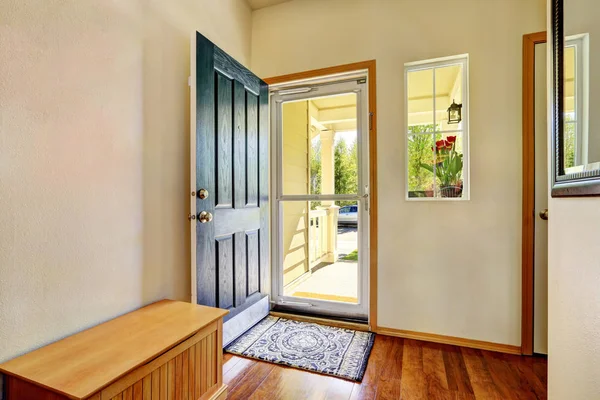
(370, 121)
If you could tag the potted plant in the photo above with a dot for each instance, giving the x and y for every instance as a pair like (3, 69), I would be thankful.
(448, 167)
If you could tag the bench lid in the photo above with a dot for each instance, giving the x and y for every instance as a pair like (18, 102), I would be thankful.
(82, 364)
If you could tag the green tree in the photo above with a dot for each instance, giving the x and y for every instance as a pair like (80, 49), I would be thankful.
(419, 152)
(315, 172)
(569, 141)
(315, 168)
(345, 170)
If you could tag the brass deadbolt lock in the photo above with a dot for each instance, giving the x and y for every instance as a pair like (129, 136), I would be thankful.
(202, 194)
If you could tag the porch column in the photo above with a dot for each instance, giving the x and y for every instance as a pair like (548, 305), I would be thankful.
(332, 224)
(328, 187)
(327, 165)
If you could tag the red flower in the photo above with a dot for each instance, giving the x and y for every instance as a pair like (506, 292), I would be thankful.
(449, 146)
(451, 139)
(440, 144)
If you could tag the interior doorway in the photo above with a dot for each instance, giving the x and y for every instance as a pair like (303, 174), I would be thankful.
(540, 253)
(534, 326)
(321, 190)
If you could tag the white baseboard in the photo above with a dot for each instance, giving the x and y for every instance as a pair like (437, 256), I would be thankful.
(236, 326)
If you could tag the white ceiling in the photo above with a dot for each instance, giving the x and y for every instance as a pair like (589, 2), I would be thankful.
(258, 4)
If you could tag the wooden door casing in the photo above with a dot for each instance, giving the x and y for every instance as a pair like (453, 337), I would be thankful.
(528, 207)
(231, 163)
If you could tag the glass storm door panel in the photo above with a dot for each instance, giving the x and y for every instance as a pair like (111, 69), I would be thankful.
(321, 199)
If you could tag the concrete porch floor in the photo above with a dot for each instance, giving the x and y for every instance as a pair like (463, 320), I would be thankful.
(336, 282)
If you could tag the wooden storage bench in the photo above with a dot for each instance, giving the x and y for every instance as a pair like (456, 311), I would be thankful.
(167, 350)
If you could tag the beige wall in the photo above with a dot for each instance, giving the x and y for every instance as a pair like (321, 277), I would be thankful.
(447, 268)
(573, 306)
(94, 157)
(295, 181)
(574, 273)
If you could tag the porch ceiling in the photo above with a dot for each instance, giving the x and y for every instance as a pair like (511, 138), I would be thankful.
(421, 82)
(420, 89)
(258, 4)
(337, 113)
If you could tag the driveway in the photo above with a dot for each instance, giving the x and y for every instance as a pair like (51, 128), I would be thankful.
(347, 240)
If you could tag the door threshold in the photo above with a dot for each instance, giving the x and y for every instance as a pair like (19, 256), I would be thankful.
(330, 321)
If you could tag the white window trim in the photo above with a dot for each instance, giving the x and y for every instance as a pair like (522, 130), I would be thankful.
(581, 98)
(462, 59)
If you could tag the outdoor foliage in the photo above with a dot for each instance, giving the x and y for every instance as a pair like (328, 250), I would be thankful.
(419, 152)
(315, 172)
(315, 168)
(569, 141)
(423, 152)
(448, 162)
(345, 170)
(352, 256)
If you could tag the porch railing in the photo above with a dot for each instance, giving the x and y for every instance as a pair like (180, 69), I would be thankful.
(323, 226)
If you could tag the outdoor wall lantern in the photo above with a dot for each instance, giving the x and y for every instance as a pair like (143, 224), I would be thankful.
(454, 113)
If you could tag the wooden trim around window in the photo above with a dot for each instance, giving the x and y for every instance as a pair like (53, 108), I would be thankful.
(370, 66)
(528, 229)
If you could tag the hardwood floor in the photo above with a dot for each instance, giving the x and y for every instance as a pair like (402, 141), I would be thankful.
(398, 369)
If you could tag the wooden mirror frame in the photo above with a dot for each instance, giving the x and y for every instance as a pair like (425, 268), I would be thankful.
(585, 183)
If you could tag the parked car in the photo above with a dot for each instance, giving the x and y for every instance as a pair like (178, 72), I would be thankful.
(348, 215)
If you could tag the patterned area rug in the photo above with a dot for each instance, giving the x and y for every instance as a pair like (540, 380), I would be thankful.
(325, 349)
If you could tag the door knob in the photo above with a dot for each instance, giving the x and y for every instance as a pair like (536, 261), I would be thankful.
(544, 214)
(202, 194)
(204, 217)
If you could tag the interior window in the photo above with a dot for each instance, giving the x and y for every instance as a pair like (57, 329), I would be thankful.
(437, 129)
